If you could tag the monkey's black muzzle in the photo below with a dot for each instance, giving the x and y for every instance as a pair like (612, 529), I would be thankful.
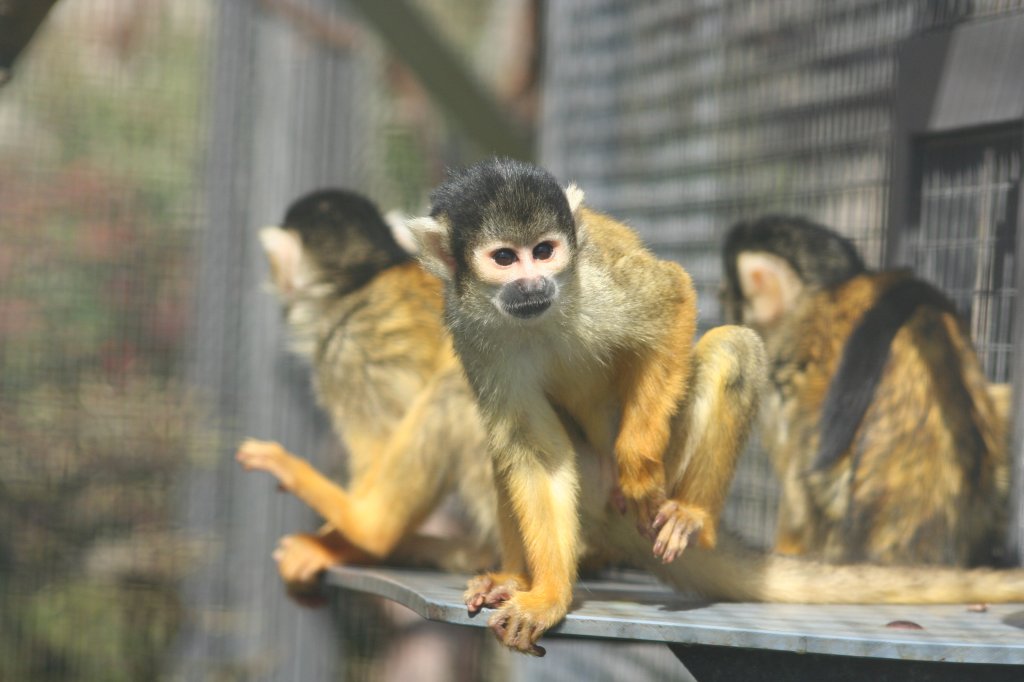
(527, 298)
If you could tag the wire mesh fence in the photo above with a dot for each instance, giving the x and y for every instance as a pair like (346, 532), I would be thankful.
(683, 118)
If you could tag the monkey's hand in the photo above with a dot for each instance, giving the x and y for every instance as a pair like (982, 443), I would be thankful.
(678, 524)
(262, 455)
(491, 590)
(524, 618)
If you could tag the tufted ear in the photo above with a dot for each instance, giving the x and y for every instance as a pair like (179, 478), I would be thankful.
(769, 284)
(283, 249)
(575, 196)
(433, 242)
(398, 222)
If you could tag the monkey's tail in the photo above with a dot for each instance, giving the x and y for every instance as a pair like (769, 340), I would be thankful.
(732, 572)
(864, 358)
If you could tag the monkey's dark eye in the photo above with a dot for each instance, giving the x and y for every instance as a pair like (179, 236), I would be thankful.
(504, 256)
(543, 250)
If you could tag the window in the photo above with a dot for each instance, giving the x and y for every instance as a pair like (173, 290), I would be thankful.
(962, 235)
(954, 208)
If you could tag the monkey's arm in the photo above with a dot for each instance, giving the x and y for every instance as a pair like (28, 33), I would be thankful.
(652, 384)
(538, 483)
(713, 423)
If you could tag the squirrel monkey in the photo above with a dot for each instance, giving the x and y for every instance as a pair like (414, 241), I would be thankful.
(369, 320)
(434, 428)
(563, 319)
(888, 442)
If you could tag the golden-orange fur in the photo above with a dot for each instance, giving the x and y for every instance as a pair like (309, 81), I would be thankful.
(612, 355)
(385, 372)
(922, 475)
(918, 493)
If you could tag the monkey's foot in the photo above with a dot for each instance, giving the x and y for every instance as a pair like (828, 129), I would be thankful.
(300, 561)
(262, 455)
(524, 618)
(491, 590)
(302, 558)
(676, 525)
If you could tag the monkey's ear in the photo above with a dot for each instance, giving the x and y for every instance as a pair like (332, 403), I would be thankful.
(399, 224)
(575, 196)
(769, 284)
(433, 241)
(283, 249)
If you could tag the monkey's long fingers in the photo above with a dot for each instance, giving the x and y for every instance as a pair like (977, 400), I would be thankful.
(678, 525)
(475, 604)
(517, 633)
(666, 512)
(476, 593)
(526, 638)
(677, 543)
(668, 531)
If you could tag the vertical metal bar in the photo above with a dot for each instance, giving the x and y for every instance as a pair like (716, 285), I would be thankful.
(284, 119)
(1017, 437)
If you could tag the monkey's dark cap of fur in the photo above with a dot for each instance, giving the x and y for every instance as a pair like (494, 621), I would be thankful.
(501, 199)
(344, 231)
(819, 256)
(329, 209)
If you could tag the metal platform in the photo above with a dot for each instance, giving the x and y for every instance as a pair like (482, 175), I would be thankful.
(721, 637)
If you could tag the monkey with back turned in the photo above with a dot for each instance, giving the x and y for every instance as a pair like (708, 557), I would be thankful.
(368, 318)
(888, 442)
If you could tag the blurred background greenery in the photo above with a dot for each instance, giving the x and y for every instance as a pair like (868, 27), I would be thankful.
(103, 154)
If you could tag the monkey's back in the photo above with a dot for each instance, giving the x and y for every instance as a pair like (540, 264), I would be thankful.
(928, 459)
(384, 342)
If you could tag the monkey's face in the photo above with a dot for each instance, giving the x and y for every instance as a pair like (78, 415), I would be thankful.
(504, 236)
(523, 279)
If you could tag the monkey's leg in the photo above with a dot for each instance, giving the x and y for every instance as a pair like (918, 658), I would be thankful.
(299, 477)
(400, 488)
(493, 589)
(714, 422)
(651, 385)
(537, 467)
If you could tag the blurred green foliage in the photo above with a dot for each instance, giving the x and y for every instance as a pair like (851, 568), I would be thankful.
(99, 146)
